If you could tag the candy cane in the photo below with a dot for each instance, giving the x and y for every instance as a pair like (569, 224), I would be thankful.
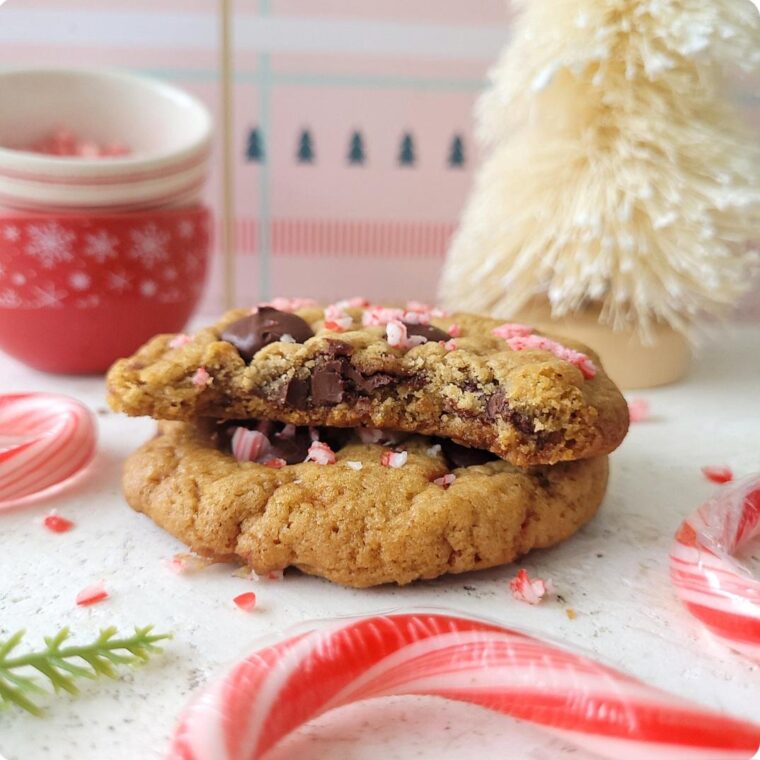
(45, 439)
(279, 688)
(710, 581)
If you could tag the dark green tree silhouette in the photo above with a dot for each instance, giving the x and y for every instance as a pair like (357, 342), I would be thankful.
(406, 155)
(456, 154)
(356, 153)
(305, 148)
(255, 149)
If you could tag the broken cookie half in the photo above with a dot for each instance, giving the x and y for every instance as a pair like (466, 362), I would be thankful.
(502, 387)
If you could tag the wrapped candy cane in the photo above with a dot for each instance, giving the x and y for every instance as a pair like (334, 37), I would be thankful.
(715, 587)
(45, 439)
(279, 688)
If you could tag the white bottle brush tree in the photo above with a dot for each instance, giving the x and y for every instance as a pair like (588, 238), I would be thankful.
(617, 169)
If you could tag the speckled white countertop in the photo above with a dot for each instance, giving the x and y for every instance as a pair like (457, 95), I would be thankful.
(613, 573)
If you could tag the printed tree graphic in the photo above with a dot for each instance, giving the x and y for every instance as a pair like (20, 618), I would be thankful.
(456, 154)
(305, 148)
(255, 150)
(406, 155)
(356, 154)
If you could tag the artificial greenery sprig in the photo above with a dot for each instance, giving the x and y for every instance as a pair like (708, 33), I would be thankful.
(63, 665)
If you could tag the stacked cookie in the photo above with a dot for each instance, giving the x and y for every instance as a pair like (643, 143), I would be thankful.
(368, 444)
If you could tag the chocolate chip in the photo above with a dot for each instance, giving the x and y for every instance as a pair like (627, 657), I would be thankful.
(250, 334)
(327, 384)
(367, 383)
(498, 406)
(296, 393)
(431, 332)
(463, 456)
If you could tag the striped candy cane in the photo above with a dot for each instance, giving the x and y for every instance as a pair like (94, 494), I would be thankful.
(710, 581)
(45, 439)
(279, 688)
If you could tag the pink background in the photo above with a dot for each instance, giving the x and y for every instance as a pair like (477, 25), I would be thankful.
(329, 228)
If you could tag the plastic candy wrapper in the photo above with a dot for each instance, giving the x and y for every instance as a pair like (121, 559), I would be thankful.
(45, 440)
(708, 576)
(280, 687)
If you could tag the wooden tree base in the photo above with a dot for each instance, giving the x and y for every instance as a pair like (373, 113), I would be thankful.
(629, 362)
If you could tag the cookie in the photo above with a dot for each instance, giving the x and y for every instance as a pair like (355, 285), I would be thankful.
(376, 515)
(526, 397)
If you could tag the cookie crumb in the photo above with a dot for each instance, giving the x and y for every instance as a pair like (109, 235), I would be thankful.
(571, 613)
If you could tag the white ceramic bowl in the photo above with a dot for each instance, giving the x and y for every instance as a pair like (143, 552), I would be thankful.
(167, 130)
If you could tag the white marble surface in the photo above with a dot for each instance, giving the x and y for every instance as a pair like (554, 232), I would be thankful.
(614, 574)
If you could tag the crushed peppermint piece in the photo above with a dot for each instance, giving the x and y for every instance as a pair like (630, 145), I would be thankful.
(249, 445)
(445, 480)
(320, 453)
(92, 594)
(336, 318)
(434, 450)
(357, 302)
(512, 330)
(455, 330)
(179, 340)
(246, 601)
(449, 345)
(395, 459)
(382, 315)
(354, 465)
(638, 410)
(57, 524)
(275, 463)
(287, 338)
(370, 435)
(530, 590)
(395, 331)
(576, 358)
(201, 377)
(186, 562)
(718, 474)
(275, 575)
(291, 304)
(417, 306)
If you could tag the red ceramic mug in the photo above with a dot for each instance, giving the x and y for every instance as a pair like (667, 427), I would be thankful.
(79, 291)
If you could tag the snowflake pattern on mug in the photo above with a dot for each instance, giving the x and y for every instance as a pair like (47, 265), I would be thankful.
(48, 264)
(100, 246)
(149, 245)
(50, 243)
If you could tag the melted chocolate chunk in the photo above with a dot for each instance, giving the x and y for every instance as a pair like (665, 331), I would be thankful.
(250, 334)
(293, 449)
(296, 393)
(431, 332)
(463, 456)
(367, 383)
(327, 383)
(498, 406)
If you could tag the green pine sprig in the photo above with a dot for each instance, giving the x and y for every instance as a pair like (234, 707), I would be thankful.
(61, 666)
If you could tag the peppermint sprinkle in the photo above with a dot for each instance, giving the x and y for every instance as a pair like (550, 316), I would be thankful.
(450, 345)
(249, 445)
(275, 463)
(336, 319)
(445, 480)
(434, 450)
(92, 594)
(718, 474)
(530, 590)
(201, 377)
(455, 330)
(246, 601)
(512, 330)
(576, 358)
(394, 459)
(638, 410)
(356, 466)
(320, 453)
(57, 524)
(287, 338)
(179, 340)
(396, 334)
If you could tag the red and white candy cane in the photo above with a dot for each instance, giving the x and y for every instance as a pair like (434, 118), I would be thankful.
(45, 439)
(709, 579)
(279, 688)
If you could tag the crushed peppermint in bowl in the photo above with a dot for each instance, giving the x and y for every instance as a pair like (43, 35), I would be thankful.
(87, 138)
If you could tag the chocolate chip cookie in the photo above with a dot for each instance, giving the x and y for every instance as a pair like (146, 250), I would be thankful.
(503, 387)
(368, 507)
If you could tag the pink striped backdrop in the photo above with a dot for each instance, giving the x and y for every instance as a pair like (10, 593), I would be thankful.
(332, 67)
